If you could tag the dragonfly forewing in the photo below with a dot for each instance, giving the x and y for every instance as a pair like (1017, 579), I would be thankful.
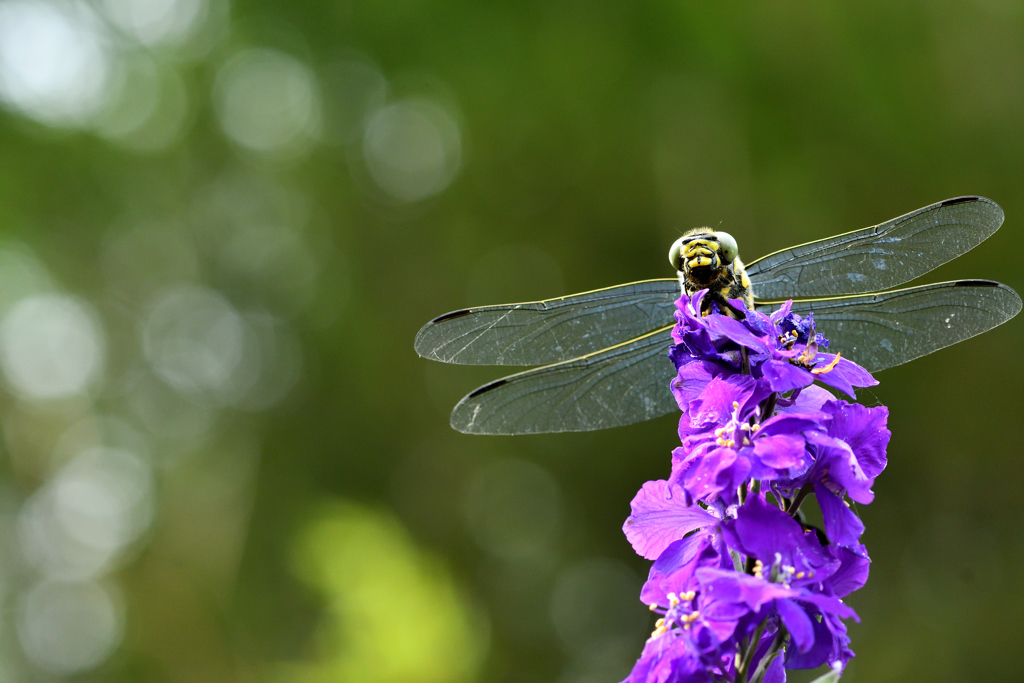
(880, 257)
(551, 331)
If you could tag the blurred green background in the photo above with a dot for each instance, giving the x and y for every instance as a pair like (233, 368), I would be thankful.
(222, 226)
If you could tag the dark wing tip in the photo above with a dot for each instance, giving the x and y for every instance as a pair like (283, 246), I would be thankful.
(487, 387)
(967, 199)
(1011, 299)
(991, 210)
(450, 316)
(466, 411)
(977, 283)
(421, 344)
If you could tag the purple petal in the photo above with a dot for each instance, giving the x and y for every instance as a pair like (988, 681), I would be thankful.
(673, 571)
(837, 458)
(714, 405)
(691, 380)
(727, 586)
(781, 452)
(793, 423)
(783, 376)
(765, 532)
(715, 472)
(864, 429)
(782, 311)
(828, 604)
(736, 332)
(844, 376)
(660, 516)
(815, 655)
(776, 672)
(797, 622)
(853, 570)
(810, 400)
(666, 659)
(842, 526)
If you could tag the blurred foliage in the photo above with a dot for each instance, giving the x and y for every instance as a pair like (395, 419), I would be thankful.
(396, 615)
(326, 177)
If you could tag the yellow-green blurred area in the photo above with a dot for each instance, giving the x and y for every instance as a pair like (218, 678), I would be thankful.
(222, 223)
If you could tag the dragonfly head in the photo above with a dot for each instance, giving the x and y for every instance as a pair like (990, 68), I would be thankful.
(703, 250)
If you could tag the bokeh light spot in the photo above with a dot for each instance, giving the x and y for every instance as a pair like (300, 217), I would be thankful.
(51, 347)
(75, 525)
(413, 149)
(54, 64)
(194, 339)
(65, 627)
(150, 108)
(152, 22)
(267, 101)
(513, 509)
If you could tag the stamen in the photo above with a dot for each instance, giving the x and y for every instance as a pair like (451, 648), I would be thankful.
(827, 368)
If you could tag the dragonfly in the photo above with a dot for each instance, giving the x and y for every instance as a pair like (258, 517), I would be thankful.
(603, 354)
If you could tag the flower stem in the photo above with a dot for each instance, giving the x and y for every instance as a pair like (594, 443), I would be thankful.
(749, 651)
(794, 506)
(772, 653)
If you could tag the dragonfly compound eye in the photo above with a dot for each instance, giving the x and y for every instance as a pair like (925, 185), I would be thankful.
(728, 244)
(675, 254)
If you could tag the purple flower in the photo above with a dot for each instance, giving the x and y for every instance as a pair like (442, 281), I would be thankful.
(792, 572)
(660, 516)
(848, 457)
(782, 347)
(737, 579)
(724, 443)
(778, 543)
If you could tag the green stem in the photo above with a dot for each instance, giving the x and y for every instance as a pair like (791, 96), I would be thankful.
(773, 652)
(749, 651)
(794, 507)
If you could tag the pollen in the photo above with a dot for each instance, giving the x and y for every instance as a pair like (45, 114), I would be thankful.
(827, 368)
(759, 569)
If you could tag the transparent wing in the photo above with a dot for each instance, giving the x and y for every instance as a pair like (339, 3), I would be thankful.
(618, 386)
(880, 257)
(879, 331)
(542, 332)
